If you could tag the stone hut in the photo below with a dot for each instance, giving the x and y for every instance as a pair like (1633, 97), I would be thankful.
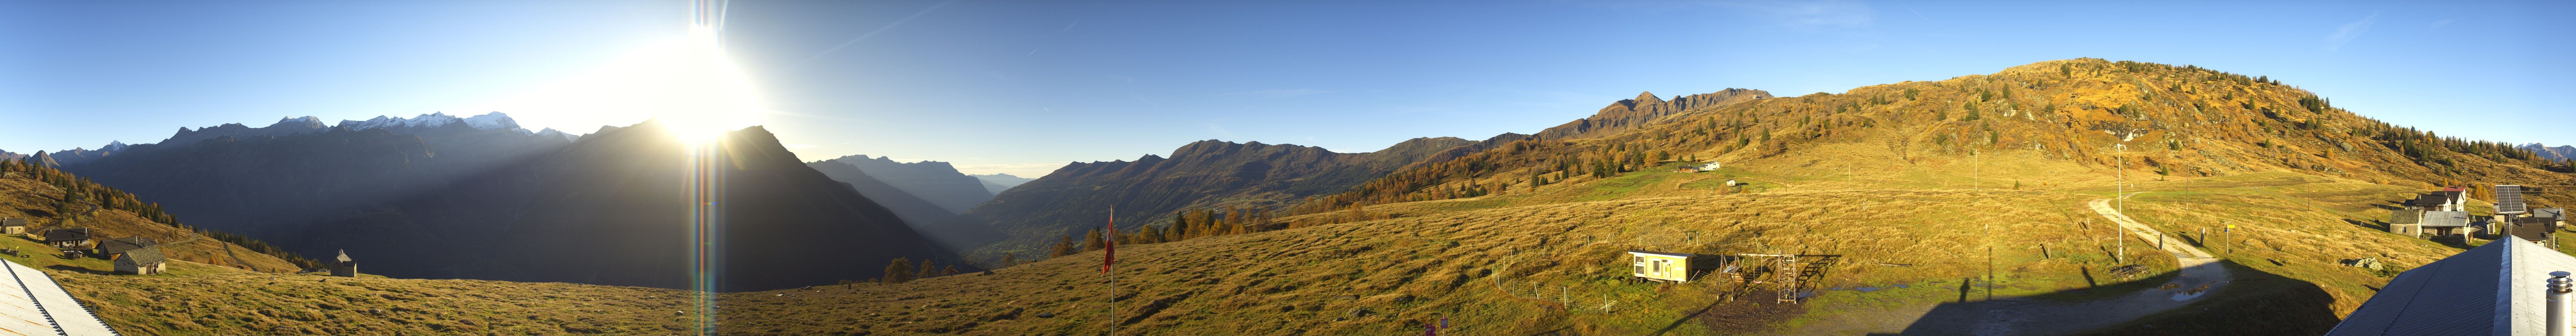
(343, 266)
(142, 261)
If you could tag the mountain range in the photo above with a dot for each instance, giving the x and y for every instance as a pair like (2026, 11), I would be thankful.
(2560, 153)
(480, 198)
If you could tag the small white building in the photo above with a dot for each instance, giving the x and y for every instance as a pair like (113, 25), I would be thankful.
(1660, 266)
(1712, 165)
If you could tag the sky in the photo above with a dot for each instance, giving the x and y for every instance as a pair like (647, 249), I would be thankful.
(1025, 87)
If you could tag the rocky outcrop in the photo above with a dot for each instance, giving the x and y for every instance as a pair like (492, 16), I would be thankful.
(1628, 114)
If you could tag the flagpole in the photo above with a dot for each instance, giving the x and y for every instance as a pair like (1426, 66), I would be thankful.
(1108, 256)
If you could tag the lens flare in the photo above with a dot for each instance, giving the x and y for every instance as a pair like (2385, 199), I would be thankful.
(700, 120)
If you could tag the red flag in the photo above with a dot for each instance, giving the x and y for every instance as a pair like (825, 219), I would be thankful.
(1109, 243)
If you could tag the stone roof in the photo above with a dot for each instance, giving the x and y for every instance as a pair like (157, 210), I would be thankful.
(120, 245)
(2446, 218)
(13, 222)
(145, 256)
(70, 234)
(2405, 216)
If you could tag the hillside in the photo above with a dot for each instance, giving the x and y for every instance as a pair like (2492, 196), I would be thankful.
(2560, 153)
(1906, 197)
(1204, 174)
(25, 194)
(611, 209)
(914, 211)
(932, 181)
(275, 182)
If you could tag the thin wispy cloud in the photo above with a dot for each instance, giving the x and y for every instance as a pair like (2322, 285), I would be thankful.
(2349, 31)
(855, 40)
(1282, 92)
(1813, 14)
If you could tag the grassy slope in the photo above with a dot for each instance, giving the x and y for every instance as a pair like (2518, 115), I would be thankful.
(199, 298)
(1462, 258)
(24, 198)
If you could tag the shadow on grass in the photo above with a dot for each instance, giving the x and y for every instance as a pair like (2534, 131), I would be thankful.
(2253, 303)
(71, 268)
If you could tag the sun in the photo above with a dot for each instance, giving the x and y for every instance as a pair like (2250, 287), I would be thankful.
(688, 84)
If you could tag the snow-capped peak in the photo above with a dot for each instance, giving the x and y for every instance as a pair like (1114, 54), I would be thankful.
(494, 120)
(113, 146)
(487, 121)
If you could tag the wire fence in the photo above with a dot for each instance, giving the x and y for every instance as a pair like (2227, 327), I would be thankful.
(1562, 295)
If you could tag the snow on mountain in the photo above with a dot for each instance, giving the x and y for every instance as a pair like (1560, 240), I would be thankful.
(113, 146)
(494, 120)
(554, 133)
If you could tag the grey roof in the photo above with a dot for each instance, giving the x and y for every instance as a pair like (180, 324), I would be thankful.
(145, 256)
(2446, 218)
(2551, 213)
(2494, 289)
(344, 256)
(1661, 253)
(120, 245)
(70, 234)
(2405, 216)
(13, 222)
(2428, 200)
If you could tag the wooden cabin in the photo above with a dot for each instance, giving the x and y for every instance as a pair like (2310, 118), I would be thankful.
(69, 239)
(13, 226)
(1660, 266)
(142, 261)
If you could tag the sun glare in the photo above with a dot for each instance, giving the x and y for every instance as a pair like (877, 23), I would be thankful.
(689, 84)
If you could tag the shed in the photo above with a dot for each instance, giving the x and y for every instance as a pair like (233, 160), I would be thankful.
(13, 226)
(72, 238)
(2406, 222)
(120, 245)
(142, 261)
(2493, 289)
(2444, 223)
(1660, 266)
(343, 266)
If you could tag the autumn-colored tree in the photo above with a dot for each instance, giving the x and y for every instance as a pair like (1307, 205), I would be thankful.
(1063, 247)
(898, 271)
(1091, 241)
(951, 270)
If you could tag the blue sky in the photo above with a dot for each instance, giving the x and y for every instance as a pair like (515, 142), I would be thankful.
(1023, 87)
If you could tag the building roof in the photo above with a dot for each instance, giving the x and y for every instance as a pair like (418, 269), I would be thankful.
(2494, 289)
(2405, 216)
(2550, 213)
(1661, 253)
(144, 256)
(13, 222)
(344, 256)
(2428, 200)
(33, 304)
(2445, 218)
(120, 245)
(70, 234)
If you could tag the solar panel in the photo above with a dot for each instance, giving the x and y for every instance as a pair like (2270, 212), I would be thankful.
(2509, 200)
